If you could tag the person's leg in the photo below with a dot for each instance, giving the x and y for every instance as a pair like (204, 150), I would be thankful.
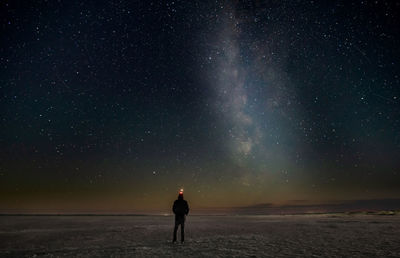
(175, 230)
(182, 231)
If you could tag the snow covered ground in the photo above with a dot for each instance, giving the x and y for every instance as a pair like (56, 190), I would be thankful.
(206, 236)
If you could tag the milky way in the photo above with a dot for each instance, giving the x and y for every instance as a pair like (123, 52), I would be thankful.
(253, 98)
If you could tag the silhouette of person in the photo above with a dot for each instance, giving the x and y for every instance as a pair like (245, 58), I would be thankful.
(180, 209)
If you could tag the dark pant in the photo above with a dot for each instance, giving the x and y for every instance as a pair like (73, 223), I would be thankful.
(179, 220)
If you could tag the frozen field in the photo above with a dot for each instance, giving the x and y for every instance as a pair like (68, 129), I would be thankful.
(206, 236)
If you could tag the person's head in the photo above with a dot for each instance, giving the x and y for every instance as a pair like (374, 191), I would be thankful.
(180, 196)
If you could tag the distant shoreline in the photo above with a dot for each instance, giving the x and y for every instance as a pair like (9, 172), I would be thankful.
(382, 212)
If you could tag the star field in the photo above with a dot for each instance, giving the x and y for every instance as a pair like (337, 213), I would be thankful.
(116, 105)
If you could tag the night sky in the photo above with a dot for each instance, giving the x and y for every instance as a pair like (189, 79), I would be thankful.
(116, 105)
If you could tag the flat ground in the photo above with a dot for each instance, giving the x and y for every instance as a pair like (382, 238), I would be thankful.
(206, 236)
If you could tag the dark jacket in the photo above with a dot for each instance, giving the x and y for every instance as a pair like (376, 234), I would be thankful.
(180, 207)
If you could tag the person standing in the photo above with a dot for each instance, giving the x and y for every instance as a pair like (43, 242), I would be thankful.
(180, 209)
